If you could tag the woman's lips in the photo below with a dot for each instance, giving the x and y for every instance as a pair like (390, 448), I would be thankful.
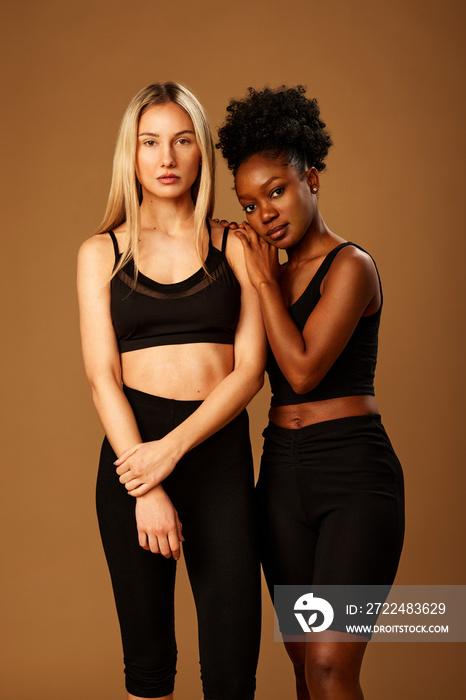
(168, 179)
(276, 231)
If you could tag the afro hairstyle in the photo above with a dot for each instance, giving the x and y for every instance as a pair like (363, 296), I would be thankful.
(279, 122)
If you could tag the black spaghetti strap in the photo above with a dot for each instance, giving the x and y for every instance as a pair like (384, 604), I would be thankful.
(324, 268)
(115, 246)
(224, 239)
(331, 256)
(325, 265)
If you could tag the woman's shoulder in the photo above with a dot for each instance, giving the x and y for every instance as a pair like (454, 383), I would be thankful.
(352, 265)
(97, 253)
(104, 239)
(96, 245)
(223, 237)
(352, 256)
(217, 231)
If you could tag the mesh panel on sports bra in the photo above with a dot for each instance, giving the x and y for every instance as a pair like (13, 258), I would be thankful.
(143, 288)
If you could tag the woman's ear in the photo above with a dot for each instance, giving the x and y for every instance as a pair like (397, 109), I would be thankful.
(312, 178)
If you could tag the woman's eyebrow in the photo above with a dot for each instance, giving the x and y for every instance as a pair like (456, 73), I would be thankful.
(178, 133)
(262, 187)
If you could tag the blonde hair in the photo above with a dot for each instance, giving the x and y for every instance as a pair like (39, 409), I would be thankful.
(125, 191)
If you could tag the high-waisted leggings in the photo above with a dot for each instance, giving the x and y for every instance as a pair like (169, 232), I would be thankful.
(331, 503)
(212, 488)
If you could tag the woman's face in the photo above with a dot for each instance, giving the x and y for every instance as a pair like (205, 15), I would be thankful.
(167, 154)
(277, 200)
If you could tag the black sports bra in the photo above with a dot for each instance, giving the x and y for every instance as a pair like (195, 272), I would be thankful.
(201, 309)
(352, 373)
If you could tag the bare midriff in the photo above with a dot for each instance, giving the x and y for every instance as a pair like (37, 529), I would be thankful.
(302, 414)
(181, 372)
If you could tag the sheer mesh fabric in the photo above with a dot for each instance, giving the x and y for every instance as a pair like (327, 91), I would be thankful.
(148, 287)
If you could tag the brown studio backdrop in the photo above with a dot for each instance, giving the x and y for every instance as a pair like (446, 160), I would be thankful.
(390, 83)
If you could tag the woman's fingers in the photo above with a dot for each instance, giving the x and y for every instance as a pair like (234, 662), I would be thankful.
(254, 237)
(158, 524)
(247, 227)
(154, 544)
(166, 545)
(174, 545)
(131, 476)
(142, 537)
(130, 483)
(159, 544)
(138, 490)
(248, 234)
(129, 470)
(125, 477)
(123, 457)
(148, 463)
(179, 528)
(225, 223)
(241, 234)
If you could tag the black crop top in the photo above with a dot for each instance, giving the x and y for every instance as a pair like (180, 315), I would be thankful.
(200, 309)
(352, 374)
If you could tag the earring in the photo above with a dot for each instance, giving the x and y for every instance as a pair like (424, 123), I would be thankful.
(315, 189)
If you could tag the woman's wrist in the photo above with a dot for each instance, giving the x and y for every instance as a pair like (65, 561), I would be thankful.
(175, 443)
(268, 283)
(269, 289)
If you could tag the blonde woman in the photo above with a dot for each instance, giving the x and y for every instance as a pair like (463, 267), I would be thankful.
(174, 350)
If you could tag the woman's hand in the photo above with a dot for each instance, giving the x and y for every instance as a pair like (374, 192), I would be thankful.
(146, 464)
(226, 224)
(261, 257)
(158, 525)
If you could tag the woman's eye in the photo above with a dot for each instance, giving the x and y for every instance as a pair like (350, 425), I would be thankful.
(249, 208)
(183, 142)
(277, 192)
(149, 143)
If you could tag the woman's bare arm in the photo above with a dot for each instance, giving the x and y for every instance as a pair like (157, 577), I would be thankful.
(349, 288)
(99, 344)
(157, 522)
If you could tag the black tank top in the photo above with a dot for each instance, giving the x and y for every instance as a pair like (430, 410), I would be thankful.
(352, 374)
(201, 309)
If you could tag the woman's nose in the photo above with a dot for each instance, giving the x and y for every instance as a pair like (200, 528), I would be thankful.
(268, 212)
(167, 157)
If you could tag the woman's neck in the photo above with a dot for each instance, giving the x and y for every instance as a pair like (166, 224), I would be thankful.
(166, 215)
(313, 243)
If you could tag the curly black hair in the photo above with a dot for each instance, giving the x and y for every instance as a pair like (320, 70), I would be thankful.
(279, 122)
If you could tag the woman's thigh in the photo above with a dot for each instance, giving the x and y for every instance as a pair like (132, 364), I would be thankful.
(331, 504)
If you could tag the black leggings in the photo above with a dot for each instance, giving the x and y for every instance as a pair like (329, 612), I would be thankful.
(212, 488)
(331, 504)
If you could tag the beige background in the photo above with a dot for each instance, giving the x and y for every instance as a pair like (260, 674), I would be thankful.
(390, 82)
